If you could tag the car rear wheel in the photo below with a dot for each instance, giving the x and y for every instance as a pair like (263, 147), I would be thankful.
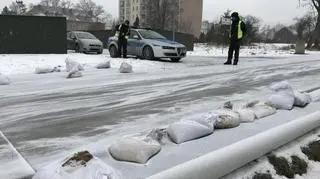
(175, 59)
(148, 53)
(113, 51)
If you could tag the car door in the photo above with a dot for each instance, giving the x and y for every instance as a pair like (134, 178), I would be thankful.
(133, 42)
(71, 41)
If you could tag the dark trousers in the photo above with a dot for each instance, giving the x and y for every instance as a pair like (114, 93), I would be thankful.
(234, 47)
(122, 47)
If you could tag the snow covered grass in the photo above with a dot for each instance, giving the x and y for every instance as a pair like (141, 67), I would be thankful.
(255, 50)
(294, 148)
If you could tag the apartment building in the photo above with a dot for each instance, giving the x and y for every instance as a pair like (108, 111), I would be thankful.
(189, 18)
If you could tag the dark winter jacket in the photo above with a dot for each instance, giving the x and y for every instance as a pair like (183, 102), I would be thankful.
(124, 30)
(234, 29)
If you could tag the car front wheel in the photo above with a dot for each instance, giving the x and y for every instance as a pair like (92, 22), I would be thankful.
(148, 53)
(113, 51)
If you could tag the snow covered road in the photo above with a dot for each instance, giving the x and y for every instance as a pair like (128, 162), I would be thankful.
(47, 116)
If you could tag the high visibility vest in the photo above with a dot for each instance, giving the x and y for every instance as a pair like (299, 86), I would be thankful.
(240, 32)
(118, 33)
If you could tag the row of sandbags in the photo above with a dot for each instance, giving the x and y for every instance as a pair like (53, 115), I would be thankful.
(141, 148)
(74, 68)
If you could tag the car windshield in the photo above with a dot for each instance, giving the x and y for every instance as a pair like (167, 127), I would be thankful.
(149, 34)
(85, 35)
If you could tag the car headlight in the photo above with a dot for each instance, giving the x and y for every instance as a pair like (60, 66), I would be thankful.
(155, 45)
(168, 48)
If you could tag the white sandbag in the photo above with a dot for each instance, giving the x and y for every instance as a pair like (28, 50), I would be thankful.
(79, 169)
(246, 115)
(4, 80)
(43, 70)
(73, 65)
(125, 68)
(263, 110)
(302, 99)
(138, 149)
(283, 97)
(104, 65)
(190, 129)
(226, 119)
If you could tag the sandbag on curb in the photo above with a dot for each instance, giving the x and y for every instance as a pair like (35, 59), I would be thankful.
(125, 68)
(246, 115)
(226, 119)
(104, 65)
(302, 99)
(74, 74)
(81, 166)
(43, 70)
(283, 97)
(190, 129)
(138, 149)
(4, 80)
(262, 110)
(73, 65)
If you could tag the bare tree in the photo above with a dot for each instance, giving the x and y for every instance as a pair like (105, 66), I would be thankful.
(17, 8)
(91, 10)
(5, 11)
(253, 27)
(314, 41)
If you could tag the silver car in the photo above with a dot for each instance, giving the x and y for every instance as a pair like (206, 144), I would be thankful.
(84, 42)
(148, 44)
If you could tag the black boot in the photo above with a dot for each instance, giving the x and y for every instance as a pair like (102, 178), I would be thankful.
(227, 63)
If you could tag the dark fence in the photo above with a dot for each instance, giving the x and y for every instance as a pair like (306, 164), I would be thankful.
(32, 34)
(185, 39)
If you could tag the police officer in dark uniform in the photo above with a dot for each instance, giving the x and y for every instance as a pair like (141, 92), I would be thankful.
(238, 31)
(123, 32)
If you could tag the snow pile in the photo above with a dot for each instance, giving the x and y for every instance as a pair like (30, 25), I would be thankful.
(190, 129)
(301, 99)
(103, 65)
(80, 166)
(283, 97)
(226, 119)
(125, 68)
(138, 149)
(4, 80)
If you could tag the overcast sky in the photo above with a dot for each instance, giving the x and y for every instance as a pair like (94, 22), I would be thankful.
(270, 11)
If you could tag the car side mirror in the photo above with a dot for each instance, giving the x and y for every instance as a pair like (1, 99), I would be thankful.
(136, 37)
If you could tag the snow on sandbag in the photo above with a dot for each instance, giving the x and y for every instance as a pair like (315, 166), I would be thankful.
(138, 149)
(125, 68)
(261, 110)
(246, 115)
(302, 99)
(190, 129)
(4, 80)
(226, 119)
(73, 65)
(104, 65)
(80, 166)
(283, 97)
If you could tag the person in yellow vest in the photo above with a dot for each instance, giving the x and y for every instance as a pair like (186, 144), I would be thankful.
(238, 31)
(123, 32)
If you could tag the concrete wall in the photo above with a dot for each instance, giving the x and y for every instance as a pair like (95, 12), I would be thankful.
(32, 34)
